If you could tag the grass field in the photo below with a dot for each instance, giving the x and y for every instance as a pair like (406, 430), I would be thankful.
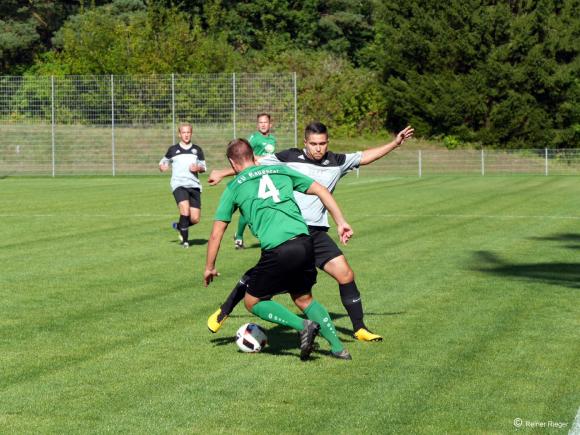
(473, 281)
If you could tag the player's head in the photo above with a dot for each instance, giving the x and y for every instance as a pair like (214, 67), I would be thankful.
(264, 121)
(240, 154)
(185, 130)
(316, 140)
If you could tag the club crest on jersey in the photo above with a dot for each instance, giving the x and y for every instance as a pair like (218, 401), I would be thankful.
(193, 151)
(326, 162)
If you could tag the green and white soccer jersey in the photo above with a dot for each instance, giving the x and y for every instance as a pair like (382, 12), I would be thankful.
(262, 145)
(265, 197)
(327, 172)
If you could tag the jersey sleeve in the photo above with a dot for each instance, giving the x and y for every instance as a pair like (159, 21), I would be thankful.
(270, 159)
(284, 156)
(201, 158)
(166, 158)
(252, 140)
(226, 207)
(300, 181)
(348, 162)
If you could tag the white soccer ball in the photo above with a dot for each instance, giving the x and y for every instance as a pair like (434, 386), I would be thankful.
(251, 338)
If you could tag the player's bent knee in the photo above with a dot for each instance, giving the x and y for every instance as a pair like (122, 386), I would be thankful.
(302, 301)
(344, 275)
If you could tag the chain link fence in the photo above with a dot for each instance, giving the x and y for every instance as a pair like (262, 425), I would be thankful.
(123, 124)
(477, 162)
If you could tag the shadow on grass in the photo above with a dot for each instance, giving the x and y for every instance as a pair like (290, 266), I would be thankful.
(565, 274)
(192, 242)
(284, 341)
(572, 240)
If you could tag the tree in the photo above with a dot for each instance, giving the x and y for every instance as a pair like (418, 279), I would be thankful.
(494, 72)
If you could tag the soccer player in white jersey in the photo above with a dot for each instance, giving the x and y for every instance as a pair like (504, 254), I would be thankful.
(327, 168)
(187, 161)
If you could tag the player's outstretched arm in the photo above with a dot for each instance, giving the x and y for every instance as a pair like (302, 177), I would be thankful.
(344, 230)
(213, 247)
(218, 175)
(369, 156)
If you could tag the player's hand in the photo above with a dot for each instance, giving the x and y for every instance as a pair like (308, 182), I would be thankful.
(345, 232)
(215, 177)
(404, 134)
(209, 275)
(163, 167)
(194, 167)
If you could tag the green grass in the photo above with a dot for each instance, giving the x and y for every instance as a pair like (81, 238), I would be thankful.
(474, 283)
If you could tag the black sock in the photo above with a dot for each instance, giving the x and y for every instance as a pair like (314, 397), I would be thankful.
(234, 298)
(183, 227)
(350, 297)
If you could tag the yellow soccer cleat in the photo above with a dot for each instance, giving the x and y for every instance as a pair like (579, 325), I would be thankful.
(365, 335)
(213, 324)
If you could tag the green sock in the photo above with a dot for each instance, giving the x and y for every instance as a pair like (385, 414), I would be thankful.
(241, 227)
(317, 313)
(274, 312)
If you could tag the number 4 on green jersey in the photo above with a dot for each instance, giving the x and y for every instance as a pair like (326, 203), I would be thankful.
(267, 189)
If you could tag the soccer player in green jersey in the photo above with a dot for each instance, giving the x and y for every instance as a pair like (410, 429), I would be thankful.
(265, 196)
(263, 143)
(327, 168)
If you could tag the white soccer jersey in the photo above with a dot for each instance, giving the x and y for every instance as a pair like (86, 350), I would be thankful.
(326, 172)
(180, 159)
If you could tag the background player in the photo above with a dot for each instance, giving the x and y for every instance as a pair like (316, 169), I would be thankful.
(186, 160)
(263, 142)
(265, 197)
(327, 168)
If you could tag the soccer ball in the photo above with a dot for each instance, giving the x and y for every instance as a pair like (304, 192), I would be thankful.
(251, 338)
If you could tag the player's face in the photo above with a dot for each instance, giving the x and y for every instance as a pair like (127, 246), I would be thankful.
(185, 134)
(264, 125)
(316, 146)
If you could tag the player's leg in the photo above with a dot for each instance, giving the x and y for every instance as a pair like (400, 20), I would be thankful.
(183, 224)
(181, 196)
(276, 269)
(350, 297)
(273, 312)
(194, 216)
(217, 319)
(316, 312)
(239, 236)
(330, 258)
(194, 206)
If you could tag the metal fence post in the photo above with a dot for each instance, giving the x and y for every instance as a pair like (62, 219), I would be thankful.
(234, 102)
(296, 112)
(52, 122)
(113, 123)
(482, 163)
(173, 107)
(546, 159)
(420, 158)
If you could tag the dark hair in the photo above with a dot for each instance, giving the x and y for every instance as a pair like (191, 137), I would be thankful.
(240, 150)
(263, 114)
(315, 127)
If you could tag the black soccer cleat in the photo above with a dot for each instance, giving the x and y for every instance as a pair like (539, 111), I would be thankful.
(307, 336)
(343, 354)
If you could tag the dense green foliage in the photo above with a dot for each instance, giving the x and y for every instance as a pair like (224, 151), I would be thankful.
(475, 71)
(103, 314)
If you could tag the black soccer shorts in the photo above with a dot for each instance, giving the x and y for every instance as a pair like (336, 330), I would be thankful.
(191, 194)
(287, 268)
(325, 249)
